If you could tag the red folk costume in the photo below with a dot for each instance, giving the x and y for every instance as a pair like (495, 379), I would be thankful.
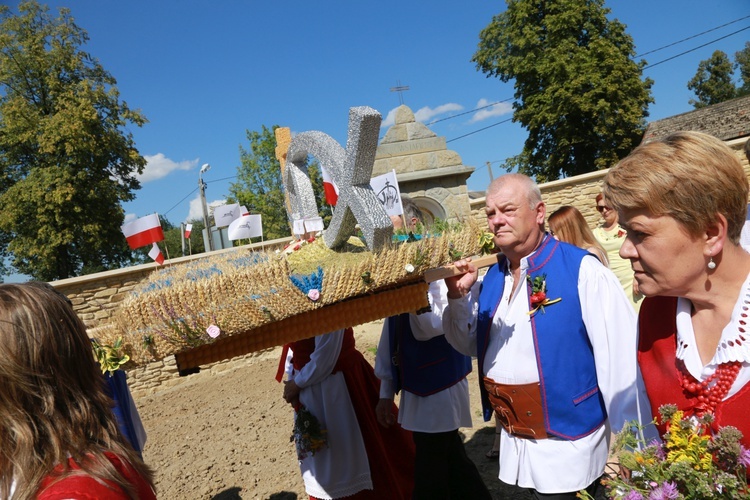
(83, 487)
(390, 452)
(661, 354)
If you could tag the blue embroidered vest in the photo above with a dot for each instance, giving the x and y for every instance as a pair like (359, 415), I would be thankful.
(423, 367)
(573, 406)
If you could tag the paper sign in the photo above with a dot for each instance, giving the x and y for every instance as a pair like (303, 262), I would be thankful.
(386, 190)
(313, 225)
(247, 226)
(298, 227)
(225, 214)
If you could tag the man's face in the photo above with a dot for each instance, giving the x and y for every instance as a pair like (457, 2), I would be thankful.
(516, 225)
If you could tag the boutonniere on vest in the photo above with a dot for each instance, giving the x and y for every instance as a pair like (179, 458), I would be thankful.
(538, 296)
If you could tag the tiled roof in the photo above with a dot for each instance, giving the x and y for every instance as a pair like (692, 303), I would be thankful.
(727, 120)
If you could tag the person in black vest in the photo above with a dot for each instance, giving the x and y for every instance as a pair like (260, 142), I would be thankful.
(414, 358)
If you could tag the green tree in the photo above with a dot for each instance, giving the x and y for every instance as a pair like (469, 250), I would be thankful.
(578, 92)
(713, 82)
(66, 160)
(173, 239)
(260, 187)
(742, 60)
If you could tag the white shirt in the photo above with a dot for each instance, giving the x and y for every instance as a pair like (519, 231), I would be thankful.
(341, 469)
(443, 411)
(554, 465)
(728, 348)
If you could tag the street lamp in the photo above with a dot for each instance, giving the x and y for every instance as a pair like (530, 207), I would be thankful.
(202, 186)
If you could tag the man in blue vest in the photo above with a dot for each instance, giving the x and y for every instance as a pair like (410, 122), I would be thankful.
(554, 337)
(414, 358)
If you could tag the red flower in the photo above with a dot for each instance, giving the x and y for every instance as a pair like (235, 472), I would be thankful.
(538, 297)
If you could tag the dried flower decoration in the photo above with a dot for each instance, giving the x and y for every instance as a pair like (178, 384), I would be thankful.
(538, 297)
(691, 462)
(308, 435)
(109, 357)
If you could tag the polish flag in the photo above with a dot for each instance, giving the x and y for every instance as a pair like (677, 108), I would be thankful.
(143, 231)
(188, 228)
(331, 190)
(155, 253)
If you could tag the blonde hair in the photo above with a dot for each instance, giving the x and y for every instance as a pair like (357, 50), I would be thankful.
(52, 401)
(689, 176)
(568, 225)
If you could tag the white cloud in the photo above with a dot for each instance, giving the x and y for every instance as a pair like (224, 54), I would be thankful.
(426, 113)
(423, 114)
(196, 211)
(499, 109)
(158, 166)
(389, 119)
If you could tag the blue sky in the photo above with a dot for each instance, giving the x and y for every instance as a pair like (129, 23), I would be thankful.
(205, 72)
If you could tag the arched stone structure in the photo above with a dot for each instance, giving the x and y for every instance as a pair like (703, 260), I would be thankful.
(427, 171)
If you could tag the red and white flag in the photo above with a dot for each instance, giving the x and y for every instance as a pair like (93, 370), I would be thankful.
(244, 211)
(155, 253)
(188, 228)
(143, 231)
(331, 190)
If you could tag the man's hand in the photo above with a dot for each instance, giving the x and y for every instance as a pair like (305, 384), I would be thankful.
(384, 413)
(291, 392)
(459, 285)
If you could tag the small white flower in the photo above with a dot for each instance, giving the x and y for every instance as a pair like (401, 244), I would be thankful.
(409, 268)
(213, 331)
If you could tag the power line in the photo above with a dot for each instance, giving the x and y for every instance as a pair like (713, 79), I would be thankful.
(691, 37)
(175, 205)
(196, 189)
(479, 130)
(695, 48)
(470, 111)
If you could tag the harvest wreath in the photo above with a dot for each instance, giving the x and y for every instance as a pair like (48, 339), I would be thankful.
(257, 300)
(238, 302)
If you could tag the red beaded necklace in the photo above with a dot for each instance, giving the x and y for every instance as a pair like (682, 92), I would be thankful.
(709, 397)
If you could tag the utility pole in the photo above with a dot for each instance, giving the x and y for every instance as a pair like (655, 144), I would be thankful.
(207, 228)
(489, 169)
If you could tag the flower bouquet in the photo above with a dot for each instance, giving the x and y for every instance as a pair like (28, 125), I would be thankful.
(690, 463)
(308, 435)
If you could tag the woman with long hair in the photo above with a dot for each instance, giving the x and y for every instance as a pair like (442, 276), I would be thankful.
(567, 224)
(58, 434)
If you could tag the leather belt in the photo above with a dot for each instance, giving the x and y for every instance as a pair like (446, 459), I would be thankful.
(518, 408)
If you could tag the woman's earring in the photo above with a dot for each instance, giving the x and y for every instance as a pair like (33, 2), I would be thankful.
(711, 264)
